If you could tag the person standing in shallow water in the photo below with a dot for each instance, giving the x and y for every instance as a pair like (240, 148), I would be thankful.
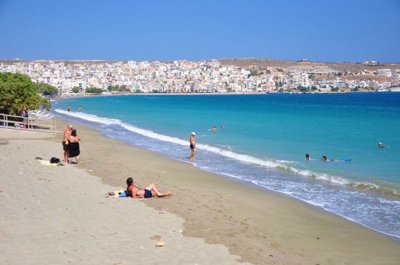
(192, 142)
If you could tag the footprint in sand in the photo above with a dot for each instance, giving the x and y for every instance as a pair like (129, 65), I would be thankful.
(155, 237)
(158, 238)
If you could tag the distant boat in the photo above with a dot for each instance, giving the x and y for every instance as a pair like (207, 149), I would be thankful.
(382, 90)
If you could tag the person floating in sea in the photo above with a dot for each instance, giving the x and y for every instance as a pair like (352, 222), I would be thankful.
(69, 108)
(213, 129)
(381, 145)
(192, 142)
(307, 157)
(325, 159)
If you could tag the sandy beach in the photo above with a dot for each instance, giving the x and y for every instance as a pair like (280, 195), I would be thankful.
(59, 215)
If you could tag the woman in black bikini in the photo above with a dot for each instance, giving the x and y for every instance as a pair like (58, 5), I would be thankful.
(148, 192)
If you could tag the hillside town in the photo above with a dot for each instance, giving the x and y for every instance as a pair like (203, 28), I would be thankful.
(209, 76)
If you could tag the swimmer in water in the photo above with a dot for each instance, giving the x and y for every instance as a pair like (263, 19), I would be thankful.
(325, 159)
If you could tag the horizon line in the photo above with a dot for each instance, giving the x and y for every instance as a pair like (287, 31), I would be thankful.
(197, 60)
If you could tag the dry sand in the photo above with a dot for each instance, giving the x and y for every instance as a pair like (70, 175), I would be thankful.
(209, 219)
(58, 215)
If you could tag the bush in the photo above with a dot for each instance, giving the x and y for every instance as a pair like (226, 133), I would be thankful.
(16, 92)
(46, 89)
(76, 89)
(94, 90)
(334, 89)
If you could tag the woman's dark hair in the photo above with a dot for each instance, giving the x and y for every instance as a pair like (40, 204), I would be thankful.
(73, 133)
(129, 181)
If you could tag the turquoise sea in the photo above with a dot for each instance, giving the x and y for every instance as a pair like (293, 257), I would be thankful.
(262, 140)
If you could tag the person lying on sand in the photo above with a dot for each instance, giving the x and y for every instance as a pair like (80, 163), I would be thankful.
(136, 192)
(148, 192)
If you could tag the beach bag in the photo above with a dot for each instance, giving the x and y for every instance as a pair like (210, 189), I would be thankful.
(54, 160)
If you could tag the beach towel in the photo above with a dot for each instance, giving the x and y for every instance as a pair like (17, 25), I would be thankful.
(47, 163)
(117, 194)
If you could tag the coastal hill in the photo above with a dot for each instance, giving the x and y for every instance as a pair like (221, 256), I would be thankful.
(338, 66)
(256, 63)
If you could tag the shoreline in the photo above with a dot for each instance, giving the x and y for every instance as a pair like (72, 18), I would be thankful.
(208, 219)
(314, 207)
(221, 94)
(192, 187)
(381, 192)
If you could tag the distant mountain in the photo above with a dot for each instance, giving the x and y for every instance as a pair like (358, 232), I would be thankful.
(257, 63)
(338, 66)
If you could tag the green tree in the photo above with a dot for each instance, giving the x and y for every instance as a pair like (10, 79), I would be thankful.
(334, 89)
(253, 72)
(94, 90)
(303, 88)
(118, 89)
(16, 92)
(46, 89)
(76, 89)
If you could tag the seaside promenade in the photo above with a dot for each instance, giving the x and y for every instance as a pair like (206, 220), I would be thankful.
(59, 215)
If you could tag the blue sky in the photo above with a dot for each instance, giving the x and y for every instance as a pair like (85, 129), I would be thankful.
(331, 30)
